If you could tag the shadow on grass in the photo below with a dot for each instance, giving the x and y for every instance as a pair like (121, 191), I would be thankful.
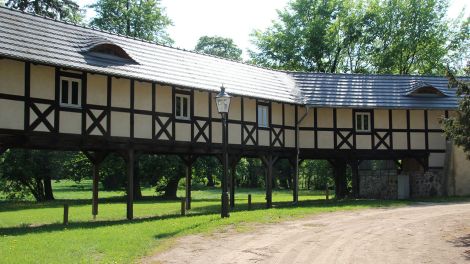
(199, 211)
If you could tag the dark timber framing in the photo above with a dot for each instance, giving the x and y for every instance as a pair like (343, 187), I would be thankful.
(97, 140)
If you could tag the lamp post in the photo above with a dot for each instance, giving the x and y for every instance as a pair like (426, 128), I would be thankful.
(223, 105)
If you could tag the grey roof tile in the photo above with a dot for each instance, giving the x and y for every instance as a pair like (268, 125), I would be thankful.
(42, 40)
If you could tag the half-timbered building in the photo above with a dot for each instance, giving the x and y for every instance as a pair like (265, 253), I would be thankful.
(67, 87)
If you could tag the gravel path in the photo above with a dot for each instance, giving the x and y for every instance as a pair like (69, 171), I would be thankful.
(424, 233)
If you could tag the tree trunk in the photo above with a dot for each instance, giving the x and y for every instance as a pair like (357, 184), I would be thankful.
(137, 191)
(210, 179)
(48, 194)
(171, 188)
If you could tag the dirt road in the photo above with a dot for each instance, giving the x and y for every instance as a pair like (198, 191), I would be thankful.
(424, 233)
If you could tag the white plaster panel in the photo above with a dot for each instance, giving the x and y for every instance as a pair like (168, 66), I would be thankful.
(12, 77)
(143, 95)
(250, 109)
(120, 92)
(164, 100)
(325, 140)
(216, 132)
(399, 119)
(142, 126)
(201, 104)
(70, 122)
(325, 118)
(183, 132)
(381, 118)
(235, 109)
(290, 138)
(434, 119)
(417, 119)
(11, 114)
(363, 142)
(417, 141)
(400, 140)
(97, 89)
(120, 124)
(234, 133)
(42, 82)
(344, 118)
(263, 137)
(307, 139)
(289, 114)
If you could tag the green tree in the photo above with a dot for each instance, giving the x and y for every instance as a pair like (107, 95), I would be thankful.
(458, 127)
(379, 36)
(219, 46)
(144, 19)
(29, 172)
(65, 10)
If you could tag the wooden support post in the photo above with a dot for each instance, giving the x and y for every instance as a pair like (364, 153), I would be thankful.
(233, 181)
(130, 184)
(249, 201)
(269, 161)
(183, 206)
(188, 161)
(339, 167)
(96, 159)
(96, 179)
(66, 214)
(295, 162)
(355, 177)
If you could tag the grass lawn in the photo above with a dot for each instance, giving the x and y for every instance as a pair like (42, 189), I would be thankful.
(32, 232)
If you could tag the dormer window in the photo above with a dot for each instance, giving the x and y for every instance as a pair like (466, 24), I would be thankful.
(423, 89)
(111, 49)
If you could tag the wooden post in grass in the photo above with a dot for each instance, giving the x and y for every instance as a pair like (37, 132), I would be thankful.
(183, 206)
(66, 214)
(249, 201)
(327, 193)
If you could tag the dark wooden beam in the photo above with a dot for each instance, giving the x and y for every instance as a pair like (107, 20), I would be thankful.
(234, 159)
(339, 167)
(188, 161)
(130, 183)
(269, 160)
(96, 158)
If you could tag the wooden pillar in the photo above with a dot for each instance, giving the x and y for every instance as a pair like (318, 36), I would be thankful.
(269, 161)
(96, 159)
(339, 167)
(188, 161)
(295, 162)
(233, 170)
(355, 177)
(130, 183)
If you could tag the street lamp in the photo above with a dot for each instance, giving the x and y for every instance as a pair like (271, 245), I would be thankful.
(223, 105)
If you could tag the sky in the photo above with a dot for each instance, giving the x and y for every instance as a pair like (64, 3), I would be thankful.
(234, 19)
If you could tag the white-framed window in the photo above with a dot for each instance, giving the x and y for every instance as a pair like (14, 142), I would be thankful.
(70, 92)
(363, 122)
(182, 104)
(263, 116)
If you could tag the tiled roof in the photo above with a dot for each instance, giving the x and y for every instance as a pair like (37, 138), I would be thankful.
(33, 38)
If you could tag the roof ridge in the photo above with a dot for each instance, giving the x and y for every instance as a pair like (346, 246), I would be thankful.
(364, 74)
(138, 39)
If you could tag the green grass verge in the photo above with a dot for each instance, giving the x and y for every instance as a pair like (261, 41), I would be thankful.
(32, 232)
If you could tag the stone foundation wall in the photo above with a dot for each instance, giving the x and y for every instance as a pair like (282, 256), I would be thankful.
(427, 184)
(378, 184)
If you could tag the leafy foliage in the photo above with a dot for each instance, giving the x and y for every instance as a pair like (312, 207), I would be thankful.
(144, 19)
(458, 127)
(65, 10)
(219, 46)
(356, 36)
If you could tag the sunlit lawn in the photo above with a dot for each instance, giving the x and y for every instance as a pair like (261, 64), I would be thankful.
(32, 232)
